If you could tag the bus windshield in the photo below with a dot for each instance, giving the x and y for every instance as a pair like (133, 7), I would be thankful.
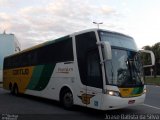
(119, 40)
(125, 68)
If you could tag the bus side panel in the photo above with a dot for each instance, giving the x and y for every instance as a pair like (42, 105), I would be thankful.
(64, 75)
(20, 76)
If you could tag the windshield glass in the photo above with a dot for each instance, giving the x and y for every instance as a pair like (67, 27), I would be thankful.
(125, 68)
(119, 40)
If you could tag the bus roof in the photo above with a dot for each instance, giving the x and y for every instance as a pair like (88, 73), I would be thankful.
(64, 37)
(96, 29)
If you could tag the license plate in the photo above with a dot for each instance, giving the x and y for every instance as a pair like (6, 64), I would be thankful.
(131, 101)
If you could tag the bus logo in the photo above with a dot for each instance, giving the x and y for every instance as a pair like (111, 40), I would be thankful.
(86, 98)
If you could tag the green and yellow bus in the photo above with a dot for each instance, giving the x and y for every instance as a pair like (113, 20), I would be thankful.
(93, 68)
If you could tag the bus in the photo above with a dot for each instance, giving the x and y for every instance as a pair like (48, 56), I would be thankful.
(94, 68)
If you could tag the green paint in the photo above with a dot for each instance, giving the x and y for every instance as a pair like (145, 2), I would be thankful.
(137, 90)
(42, 73)
(45, 77)
(37, 71)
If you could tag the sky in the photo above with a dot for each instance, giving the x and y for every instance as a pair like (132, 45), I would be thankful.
(37, 21)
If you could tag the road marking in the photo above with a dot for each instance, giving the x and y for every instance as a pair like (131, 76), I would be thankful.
(151, 106)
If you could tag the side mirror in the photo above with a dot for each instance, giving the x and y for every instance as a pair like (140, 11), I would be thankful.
(151, 55)
(106, 47)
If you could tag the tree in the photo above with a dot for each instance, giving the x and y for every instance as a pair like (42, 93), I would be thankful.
(156, 51)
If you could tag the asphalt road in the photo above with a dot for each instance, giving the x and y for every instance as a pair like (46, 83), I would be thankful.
(32, 108)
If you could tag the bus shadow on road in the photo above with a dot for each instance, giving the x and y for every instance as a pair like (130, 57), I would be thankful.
(80, 109)
(102, 114)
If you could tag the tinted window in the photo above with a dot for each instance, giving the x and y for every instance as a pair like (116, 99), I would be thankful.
(84, 43)
(58, 51)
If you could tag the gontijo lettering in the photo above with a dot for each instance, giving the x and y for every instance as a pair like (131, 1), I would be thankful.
(21, 71)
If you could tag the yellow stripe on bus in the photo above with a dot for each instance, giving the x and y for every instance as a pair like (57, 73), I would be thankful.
(20, 76)
(131, 92)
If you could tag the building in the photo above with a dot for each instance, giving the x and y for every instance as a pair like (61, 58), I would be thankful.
(8, 45)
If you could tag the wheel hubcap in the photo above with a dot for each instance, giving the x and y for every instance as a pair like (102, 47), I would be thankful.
(68, 99)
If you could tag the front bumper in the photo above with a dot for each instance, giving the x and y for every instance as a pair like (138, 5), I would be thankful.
(114, 102)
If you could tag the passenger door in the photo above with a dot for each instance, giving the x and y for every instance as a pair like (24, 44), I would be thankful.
(89, 70)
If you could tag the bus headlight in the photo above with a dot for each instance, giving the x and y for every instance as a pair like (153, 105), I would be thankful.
(113, 93)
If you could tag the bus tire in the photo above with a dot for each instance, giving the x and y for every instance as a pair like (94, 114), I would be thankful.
(66, 99)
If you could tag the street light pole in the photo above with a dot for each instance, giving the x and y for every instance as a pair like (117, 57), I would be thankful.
(97, 24)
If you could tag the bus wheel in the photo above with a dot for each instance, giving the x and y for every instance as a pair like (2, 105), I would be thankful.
(67, 99)
(15, 90)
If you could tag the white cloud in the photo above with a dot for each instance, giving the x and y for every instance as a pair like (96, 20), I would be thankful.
(107, 10)
(6, 3)
(4, 16)
(36, 24)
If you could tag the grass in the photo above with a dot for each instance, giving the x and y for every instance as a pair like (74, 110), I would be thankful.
(152, 80)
